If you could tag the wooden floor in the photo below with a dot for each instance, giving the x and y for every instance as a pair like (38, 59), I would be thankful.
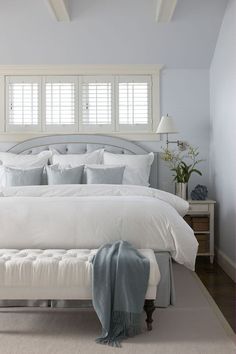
(220, 286)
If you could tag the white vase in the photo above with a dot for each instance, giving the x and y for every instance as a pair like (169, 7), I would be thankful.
(181, 190)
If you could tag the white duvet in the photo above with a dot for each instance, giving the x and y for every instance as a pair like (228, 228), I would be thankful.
(87, 216)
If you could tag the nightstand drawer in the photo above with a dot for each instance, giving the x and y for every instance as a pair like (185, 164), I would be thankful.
(198, 207)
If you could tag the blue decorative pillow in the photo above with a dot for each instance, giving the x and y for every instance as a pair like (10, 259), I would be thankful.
(101, 174)
(13, 176)
(67, 175)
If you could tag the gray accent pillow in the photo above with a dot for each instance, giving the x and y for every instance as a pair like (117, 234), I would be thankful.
(101, 174)
(64, 175)
(13, 176)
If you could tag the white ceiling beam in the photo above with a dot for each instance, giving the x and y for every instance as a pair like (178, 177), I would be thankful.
(165, 10)
(60, 10)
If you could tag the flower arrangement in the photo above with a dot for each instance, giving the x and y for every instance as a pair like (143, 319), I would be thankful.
(182, 163)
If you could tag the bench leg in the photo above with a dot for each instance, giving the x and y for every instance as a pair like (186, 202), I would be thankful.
(50, 303)
(149, 308)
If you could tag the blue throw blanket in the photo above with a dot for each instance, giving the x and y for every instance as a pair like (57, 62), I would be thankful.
(120, 281)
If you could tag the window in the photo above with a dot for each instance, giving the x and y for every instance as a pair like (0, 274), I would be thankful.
(134, 104)
(97, 107)
(60, 102)
(119, 103)
(23, 103)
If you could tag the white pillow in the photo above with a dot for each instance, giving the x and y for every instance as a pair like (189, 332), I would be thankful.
(74, 160)
(25, 161)
(137, 167)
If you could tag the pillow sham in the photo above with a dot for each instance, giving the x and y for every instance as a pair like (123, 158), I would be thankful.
(14, 176)
(101, 174)
(68, 175)
(137, 167)
(25, 161)
(74, 160)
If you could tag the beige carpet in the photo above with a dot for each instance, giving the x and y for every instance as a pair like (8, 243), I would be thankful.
(194, 325)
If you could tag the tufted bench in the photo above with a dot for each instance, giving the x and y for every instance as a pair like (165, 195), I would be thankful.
(55, 274)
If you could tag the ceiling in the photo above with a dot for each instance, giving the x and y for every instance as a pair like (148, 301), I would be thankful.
(110, 32)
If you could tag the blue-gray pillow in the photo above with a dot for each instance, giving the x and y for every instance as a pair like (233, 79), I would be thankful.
(64, 175)
(14, 176)
(101, 174)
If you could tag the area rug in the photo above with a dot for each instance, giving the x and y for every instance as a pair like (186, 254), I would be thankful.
(194, 326)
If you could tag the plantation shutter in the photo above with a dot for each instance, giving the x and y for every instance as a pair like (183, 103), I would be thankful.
(134, 103)
(60, 102)
(23, 103)
(97, 103)
(113, 103)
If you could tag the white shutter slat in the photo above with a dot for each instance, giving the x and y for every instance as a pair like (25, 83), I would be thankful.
(23, 102)
(97, 103)
(134, 102)
(60, 102)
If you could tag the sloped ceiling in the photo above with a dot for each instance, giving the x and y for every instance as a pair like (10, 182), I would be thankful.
(110, 32)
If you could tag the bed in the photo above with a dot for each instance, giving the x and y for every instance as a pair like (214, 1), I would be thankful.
(133, 210)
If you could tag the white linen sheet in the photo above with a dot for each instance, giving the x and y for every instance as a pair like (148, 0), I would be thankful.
(87, 216)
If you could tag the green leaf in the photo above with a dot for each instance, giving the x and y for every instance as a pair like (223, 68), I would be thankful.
(197, 171)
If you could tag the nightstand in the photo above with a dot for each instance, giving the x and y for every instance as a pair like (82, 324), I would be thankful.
(200, 218)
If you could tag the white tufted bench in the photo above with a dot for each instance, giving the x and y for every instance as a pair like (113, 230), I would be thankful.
(55, 274)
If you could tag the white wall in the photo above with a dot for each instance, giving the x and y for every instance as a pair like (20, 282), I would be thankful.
(110, 32)
(223, 137)
(185, 95)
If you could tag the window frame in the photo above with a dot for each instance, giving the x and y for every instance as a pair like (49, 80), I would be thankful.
(77, 71)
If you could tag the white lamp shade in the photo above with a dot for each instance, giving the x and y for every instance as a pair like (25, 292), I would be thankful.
(166, 126)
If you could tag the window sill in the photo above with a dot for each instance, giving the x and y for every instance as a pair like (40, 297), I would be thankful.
(17, 137)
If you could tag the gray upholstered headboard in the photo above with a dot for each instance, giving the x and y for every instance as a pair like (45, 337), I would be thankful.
(82, 143)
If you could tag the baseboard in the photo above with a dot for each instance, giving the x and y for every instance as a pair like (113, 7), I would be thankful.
(226, 264)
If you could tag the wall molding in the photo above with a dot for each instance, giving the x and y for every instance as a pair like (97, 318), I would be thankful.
(226, 264)
(22, 136)
(80, 69)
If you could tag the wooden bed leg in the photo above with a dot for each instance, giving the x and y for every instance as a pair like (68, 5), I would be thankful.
(149, 308)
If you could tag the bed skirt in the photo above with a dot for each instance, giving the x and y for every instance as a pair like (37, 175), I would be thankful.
(165, 288)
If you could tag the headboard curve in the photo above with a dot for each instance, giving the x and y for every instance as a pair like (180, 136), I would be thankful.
(82, 143)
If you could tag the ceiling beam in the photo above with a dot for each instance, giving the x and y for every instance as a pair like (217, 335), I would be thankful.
(59, 8)
(165, 10)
